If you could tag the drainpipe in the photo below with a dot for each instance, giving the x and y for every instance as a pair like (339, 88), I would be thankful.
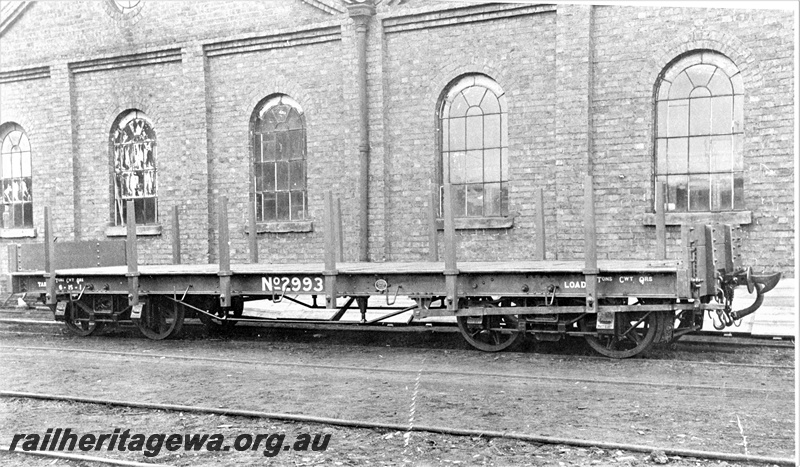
(362, 12)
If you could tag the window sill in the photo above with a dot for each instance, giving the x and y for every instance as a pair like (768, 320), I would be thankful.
(284, 227)
(141, 230)
(18, 233)
(479, 223)
(686, 218)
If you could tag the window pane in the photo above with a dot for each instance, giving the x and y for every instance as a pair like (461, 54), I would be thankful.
(267, 147)
(296, 138)
(721, 192)
(493, 205)
(282, 145)
(282, 177)
(681, 87)
(490, 105)
(297, 175)
(19, 216)
(678, 156)
(700, 74)
(721, 154)
(491, 165)
(738, 190)
(258, 170)
(270, 207)
(459, 106)
(661, 119)
(26, 189)
(504, 130)
(678, 193)
(259, 207)
(6, 165)
(474, 95)
(678, 118)
(457, 134)
(504, 197)
(458, 167)
(700, 116)
(474, 167)
(661, 156)
(722, 115)
(268, 172)
(504, 167)
(298, 205)
(282, 201)
(698, 193)
(475, 200)
(445, 135)
(699, 154)
(459, 200)
(16, 164)
(720, 84)
(475, 132)
(27, 215)
(491, 131)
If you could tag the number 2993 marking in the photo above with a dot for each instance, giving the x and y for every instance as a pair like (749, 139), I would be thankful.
(292, 284)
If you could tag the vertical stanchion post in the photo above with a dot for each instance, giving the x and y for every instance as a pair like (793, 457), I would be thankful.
(176, 236)
(539, 251)
(685, 269)
(132, 259)
(339, 238)
(224, 255)
(330, 253)
(49, 263)
(590, 271)
(661, 224)
(450, 249)
(433, 239)
(252, 229)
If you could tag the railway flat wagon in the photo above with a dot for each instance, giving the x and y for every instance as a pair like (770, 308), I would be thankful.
(621, 307)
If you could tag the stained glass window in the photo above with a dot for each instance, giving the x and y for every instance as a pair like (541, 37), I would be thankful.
(15, 173)
(699, 131)
(133, 145)
(474, 146)
(279, 160)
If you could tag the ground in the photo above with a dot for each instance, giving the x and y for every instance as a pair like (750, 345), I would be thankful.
(692, 397)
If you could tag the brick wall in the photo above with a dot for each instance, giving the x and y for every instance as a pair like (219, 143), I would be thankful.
(579, 83)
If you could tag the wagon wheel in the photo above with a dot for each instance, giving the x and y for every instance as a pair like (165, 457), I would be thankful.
(161, 319)
(633, 334)
(76, 318)
(493, 334)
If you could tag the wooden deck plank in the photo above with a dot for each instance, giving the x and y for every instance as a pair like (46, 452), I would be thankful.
(494, 267)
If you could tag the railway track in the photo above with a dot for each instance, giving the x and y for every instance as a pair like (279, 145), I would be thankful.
(712, 389)
(41, 319)
(364, 424)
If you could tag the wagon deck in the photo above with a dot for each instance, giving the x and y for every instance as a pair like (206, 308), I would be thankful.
(621, 307)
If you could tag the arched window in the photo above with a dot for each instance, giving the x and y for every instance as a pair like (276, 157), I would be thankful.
(15, 173)
(279, 160)
(699, 133)
(474, 146)
(133, 152)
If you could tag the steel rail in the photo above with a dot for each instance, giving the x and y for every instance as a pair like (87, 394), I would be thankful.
(435, 329)
(404, 427)
(324, 325)
(80, 458)
(609, 381)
